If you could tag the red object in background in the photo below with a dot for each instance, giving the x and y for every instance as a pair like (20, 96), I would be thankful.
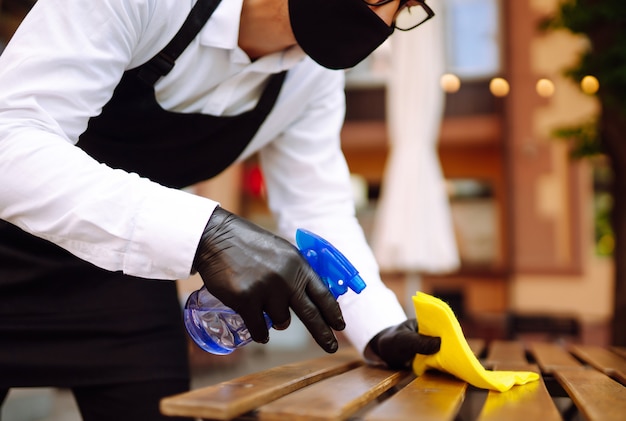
(253, 183)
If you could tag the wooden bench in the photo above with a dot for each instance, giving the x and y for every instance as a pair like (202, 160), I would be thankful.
(340, 386)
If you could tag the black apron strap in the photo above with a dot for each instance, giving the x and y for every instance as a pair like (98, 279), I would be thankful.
(163, 63)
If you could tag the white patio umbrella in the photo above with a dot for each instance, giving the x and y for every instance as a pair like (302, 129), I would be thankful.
(413, 230)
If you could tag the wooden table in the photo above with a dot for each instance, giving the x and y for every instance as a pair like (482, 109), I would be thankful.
(582, 379)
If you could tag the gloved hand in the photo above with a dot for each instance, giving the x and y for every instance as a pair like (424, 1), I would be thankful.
(253, 271)
(397, 345)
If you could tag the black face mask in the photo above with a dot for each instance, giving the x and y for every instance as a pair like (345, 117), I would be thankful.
(337, 34)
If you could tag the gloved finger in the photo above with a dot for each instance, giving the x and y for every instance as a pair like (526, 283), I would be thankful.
(399, 349)
(282, 325)
(425, 345)
(408, 342)
(310, 316)
(322, 298)
(420, 344)
(278, 312)
(256, 324)
(398, 345)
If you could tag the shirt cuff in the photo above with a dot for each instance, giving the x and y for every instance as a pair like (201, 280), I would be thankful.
(166, 234)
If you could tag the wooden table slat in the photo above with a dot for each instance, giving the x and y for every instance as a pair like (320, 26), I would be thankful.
(340, 387)
(597, 396)
(551, 356)
(334, 398)
(529, 401)
(432, 396)
(504, 352)
(603, 360)
(235, 397)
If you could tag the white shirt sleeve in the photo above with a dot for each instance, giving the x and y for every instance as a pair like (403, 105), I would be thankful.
(308, 186)
(59, 70)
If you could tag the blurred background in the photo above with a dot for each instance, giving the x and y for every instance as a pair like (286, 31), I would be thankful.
(473, 126)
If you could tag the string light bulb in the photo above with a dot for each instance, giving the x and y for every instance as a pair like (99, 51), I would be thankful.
(499, 87)
(589, 85)
(545, 88)
(450, 83)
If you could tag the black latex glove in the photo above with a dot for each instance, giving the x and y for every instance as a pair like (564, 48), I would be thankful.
(253, 271)
(397, 345)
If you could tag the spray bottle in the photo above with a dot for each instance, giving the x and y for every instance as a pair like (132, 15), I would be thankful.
(217, 329)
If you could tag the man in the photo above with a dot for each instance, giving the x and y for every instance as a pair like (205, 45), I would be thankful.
(107, 109)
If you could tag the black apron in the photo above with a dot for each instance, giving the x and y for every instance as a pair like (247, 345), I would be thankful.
(65, 322)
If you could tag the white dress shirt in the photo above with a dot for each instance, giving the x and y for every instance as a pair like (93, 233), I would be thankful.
(60, 69)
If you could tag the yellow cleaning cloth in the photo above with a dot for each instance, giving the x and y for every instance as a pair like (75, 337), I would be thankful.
(435, 318)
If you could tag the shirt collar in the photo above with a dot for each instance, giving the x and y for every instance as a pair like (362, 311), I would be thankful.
(222, 29)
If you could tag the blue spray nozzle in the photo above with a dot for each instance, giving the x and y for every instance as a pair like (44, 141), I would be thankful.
(328, 262)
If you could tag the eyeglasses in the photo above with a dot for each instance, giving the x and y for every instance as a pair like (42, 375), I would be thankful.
(410, 15)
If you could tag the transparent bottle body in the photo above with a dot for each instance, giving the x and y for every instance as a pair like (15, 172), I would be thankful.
(215, 327)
